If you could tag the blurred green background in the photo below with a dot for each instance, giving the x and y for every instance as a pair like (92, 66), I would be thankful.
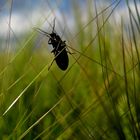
(97, 97)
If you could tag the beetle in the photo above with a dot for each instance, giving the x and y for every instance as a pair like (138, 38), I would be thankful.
(59, 48)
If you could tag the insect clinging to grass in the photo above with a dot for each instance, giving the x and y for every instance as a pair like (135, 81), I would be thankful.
(59, 48)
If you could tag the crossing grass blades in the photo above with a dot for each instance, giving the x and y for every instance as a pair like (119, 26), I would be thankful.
(59, 48)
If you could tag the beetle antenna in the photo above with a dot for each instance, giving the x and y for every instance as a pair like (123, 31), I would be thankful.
(54, 24)
(42, 32)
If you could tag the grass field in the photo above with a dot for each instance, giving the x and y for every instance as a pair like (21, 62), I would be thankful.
(97, 97)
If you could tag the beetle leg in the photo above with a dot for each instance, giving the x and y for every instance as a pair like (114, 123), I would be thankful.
(63, 43)
(70, 52)
(49, 41)
(53, 51)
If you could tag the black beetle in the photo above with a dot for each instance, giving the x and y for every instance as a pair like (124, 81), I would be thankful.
(59, 48)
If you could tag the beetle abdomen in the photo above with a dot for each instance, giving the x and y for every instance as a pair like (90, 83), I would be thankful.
(62, 60)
